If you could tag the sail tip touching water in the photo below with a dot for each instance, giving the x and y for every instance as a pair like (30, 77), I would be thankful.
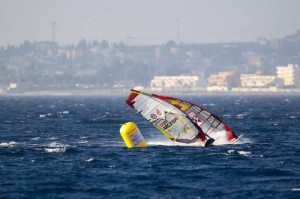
(177, 119)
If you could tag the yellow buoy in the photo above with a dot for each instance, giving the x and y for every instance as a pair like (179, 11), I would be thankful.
(132, 135)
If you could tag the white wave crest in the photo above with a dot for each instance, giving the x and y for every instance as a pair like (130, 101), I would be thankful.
(90, 159)
(8, 144)
(45, 115)
(63, 112)
(56, 148)
(242, 153)
(245, 153)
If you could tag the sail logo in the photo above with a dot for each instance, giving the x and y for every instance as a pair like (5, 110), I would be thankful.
(153, 116)
(167, 124)
(158, 112)
(180, 104)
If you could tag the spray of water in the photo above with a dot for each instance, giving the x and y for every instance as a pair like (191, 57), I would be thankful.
(220, 139)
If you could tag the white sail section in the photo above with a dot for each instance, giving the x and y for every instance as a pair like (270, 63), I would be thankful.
(171, 121)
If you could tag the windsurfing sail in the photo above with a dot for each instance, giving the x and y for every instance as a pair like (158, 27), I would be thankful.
(178, 119)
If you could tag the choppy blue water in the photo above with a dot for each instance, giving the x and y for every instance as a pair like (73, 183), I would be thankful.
(70, 147)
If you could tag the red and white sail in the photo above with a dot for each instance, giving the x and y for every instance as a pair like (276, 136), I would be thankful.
(178, 119)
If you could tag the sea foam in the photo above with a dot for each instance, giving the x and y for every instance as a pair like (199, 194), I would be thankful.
(56, 148)
(8, 144)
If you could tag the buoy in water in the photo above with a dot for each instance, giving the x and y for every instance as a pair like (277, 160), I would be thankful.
(132, 135)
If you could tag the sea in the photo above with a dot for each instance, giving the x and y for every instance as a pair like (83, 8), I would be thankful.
(70, 147)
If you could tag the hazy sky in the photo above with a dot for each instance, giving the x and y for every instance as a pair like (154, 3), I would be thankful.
(147, 21)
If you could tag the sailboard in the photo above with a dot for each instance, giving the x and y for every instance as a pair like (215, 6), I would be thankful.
(179, 120)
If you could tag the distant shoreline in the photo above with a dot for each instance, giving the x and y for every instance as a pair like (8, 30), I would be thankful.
(125, 92)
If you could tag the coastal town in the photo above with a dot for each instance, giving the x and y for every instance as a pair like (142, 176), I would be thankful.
(267, 65)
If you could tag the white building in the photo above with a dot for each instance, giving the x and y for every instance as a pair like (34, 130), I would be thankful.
(290, 75)
(256, 80)
(221, 81)
(159, 83)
